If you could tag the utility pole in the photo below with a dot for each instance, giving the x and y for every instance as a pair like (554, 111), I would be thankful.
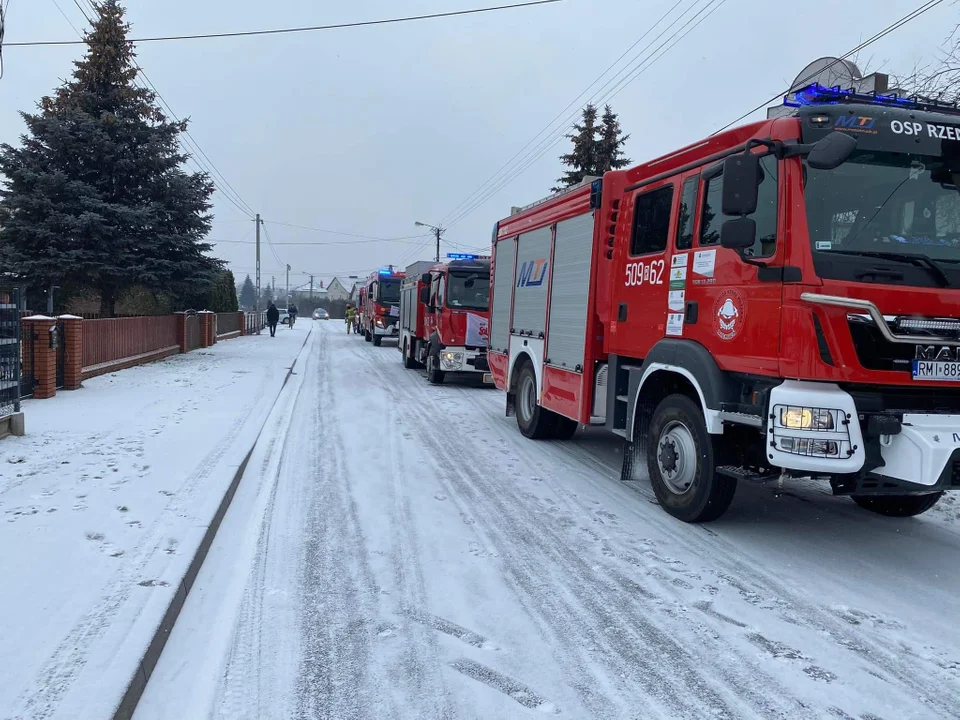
(437, 231)
(258, 222)
(288, 284)
(311, 287)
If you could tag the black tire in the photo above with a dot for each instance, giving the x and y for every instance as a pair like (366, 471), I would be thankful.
(377, 340)
(693, 491)
(534, 421)
(564, 428)
(408, 362)
(367, 336)
(897, 505)
(435, 375)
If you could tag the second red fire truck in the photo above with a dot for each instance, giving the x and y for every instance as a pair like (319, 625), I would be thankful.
(444, 316)
(779, 300)
(380, 305)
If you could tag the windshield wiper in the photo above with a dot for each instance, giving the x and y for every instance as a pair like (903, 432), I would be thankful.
(919, 259)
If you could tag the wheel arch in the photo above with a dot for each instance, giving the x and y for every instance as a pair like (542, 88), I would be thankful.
(679, 366)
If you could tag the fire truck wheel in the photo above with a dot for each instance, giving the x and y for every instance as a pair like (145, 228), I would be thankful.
(897, 505)
(564, 428)
(378, 340)
(434, 374)
(408, 362)
(535, 422)
(680, 460)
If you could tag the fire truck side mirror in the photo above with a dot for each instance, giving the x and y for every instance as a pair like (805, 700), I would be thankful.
(741, 182)
(738, 234)
(832, 151)
(426, 279)
(425, 295)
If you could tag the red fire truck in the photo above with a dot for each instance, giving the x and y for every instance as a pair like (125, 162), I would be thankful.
(381, 305)
(444, 316)
(778, 300)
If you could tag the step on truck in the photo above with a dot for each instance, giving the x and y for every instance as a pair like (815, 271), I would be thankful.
(779, 300)
(444, 317)
(381, 305)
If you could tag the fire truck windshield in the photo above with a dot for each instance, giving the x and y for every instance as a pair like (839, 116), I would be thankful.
(468, 290)
(388, 291)
(887, 206)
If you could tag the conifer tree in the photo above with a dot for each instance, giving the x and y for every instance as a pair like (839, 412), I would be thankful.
(97, 195)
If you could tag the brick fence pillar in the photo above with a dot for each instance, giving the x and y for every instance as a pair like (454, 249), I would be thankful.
(73, 357)
(206, 324)
(44, 356)
(182, 331)
(242, 319)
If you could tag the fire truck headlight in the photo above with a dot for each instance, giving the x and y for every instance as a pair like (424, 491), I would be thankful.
(378, 322)
(452, 360)
(806, 418)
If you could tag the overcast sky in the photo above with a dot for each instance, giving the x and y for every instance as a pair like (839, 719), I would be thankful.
(367, 130)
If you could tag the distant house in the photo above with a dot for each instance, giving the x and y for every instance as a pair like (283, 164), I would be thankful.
(336, 291)
(355, 293)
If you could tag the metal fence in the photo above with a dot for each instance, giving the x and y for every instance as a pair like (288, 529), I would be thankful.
(112, 339)
(193, 332)
(228, 322)
(255, 322)
(10, 349)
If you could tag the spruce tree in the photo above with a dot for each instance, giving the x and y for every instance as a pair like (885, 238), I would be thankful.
(97, 194)
(610, 145)
(582, 159)
(248, 293)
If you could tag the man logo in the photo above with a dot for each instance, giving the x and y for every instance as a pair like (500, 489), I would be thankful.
(532, 273)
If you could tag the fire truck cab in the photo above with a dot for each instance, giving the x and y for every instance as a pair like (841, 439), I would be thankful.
(444, 316)
(381, 305)
(779, 300)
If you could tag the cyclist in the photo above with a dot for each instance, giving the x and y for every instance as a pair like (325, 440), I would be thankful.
(292, 314)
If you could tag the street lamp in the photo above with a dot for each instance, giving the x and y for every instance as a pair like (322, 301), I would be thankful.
(438, 231)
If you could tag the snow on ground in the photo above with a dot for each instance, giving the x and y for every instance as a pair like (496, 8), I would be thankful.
(102, 506)
(398, 550)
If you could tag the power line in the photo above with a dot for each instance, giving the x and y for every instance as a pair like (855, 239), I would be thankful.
(272, 249)
(337, 232)
(312, 28)
(331, 242)
(883, 33)
(559, 114)
(186, 138)
(635, 67)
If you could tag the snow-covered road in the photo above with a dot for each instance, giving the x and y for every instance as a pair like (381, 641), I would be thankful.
(398, 550)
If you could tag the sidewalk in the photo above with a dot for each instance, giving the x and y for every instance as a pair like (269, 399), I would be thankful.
(102, 506)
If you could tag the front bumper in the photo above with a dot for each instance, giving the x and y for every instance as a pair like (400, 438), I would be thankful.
(388, 330)
(878, 452)
(460, 359)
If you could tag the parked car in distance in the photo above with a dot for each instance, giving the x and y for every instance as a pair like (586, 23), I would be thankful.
(321, 314)
(284, 317)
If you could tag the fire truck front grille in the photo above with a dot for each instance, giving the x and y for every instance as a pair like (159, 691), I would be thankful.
(874, 352)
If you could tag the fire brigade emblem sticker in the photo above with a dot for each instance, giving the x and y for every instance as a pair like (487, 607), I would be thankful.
(729, 313)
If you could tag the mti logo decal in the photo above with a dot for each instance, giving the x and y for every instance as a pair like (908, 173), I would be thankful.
(858, 122)
(532, 273)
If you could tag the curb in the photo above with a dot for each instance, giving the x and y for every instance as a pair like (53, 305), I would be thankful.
(134, 691)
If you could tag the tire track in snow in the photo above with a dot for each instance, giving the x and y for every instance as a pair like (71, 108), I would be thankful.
(891, 661)
(338, 607)
(580, 610)
(68, 660)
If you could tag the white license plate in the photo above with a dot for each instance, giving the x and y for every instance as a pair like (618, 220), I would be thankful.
(488, 378)
(940, 370)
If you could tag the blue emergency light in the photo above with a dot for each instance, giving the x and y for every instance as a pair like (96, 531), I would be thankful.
(461, 256)
(817, 94)
(385, 272)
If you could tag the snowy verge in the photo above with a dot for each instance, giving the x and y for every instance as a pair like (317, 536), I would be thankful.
(104, 505)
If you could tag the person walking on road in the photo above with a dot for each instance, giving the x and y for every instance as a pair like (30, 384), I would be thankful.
(351, 317)
(292, 314)
(273, 317)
